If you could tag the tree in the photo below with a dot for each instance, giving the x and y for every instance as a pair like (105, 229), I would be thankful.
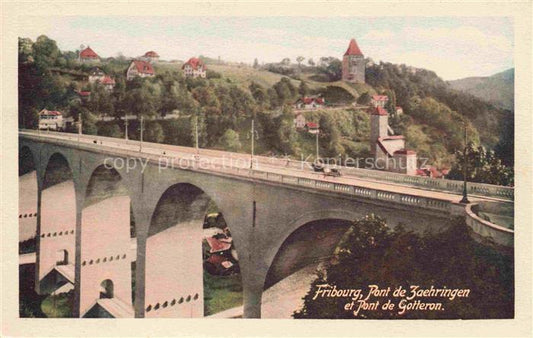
(287, 135)
(372, 253)
(299, 59)
(390, 106)
(88, 122)
(310, 62)
(110, 130)
(285, 90)
(153, 132)
(482, 166)
(230, 141)
(256, 63)
(286, 61)
(505, 147)
(330, 135)
(303, 89)
(331, 67)
(25, 49)
(101, 101)
(364, 99)
(144, 100)
(45, 52)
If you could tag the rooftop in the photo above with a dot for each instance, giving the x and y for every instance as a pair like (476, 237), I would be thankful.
(380, 111)
(143, 67)
(88, 53)
(194, 63)
(353, 48)
(151, 54)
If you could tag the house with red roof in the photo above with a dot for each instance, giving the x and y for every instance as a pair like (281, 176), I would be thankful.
(84, 94)
(312, 127)
(88, 55)
(379, 100)
(353, 64)
(139, 68)
(194, 67)
(432, 172)
(310, 103)
(150, 56)
(96, 75)
(108, 82)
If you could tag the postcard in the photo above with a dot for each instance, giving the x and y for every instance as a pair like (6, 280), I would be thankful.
(220, 163)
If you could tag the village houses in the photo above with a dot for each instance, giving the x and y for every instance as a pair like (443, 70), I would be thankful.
(88, 55)
(139, 68)
(312, 127)
(194, 68)
(310, 103)
(97, 75)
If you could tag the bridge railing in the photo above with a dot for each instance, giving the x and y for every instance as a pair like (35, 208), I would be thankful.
(353, 190)
(497, 234)
(481, 189)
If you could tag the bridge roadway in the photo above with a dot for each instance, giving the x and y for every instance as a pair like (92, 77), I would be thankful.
(216, 160)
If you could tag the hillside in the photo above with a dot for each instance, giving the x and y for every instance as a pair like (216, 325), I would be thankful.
(232, 94)
(497, 89)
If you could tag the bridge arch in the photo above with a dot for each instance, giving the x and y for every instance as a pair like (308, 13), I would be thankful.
(28, 195)
(108, 244)
(309, 241)
(56, 228)
(26, 160)
(181, 241)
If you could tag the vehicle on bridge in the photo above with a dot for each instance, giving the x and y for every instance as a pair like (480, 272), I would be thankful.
(328, 171)
(332, 172)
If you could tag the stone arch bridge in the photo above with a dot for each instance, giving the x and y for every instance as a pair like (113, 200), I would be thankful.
(103, 203)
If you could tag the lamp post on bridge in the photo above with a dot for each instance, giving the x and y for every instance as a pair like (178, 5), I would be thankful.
(196, 136)
(317, 147)
(465, 163)
(141, 140)
(253, 134)
(126, 127)
(79, 127)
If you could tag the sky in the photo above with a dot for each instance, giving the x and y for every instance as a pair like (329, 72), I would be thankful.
(453, 47)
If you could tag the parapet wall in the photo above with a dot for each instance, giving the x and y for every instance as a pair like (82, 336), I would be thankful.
(487, 231)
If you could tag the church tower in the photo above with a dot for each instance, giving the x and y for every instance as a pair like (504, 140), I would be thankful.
(353, 64)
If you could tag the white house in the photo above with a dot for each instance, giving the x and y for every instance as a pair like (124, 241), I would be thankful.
(299, 121)
(194, 68)
(96, 74)
(50, 119)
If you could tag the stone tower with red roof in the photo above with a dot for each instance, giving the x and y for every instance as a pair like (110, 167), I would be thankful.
(353, 64)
